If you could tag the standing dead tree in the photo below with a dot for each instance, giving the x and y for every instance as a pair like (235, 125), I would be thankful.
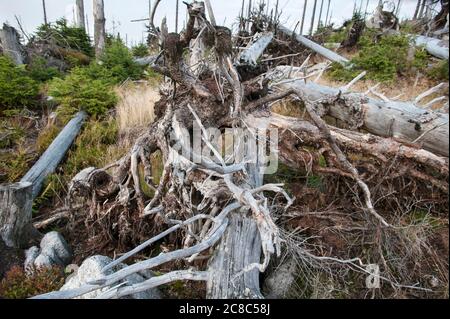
(80, 14)
(99, 27)
(10, 44)
(222, 206)
(302, 23)
(313, 16)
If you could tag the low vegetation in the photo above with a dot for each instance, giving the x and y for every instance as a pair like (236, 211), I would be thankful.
(17, 284)
(383, 58)
(17, 88)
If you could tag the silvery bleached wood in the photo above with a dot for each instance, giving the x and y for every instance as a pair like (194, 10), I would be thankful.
(251, 55)
(51, 158)
(15, 212)
(402, 120)
(330, 55)
(99, 27)
(436, 47)
(10, 44)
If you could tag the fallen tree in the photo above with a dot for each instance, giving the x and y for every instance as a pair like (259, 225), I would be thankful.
(435, 47)
(402, 120)
(330, 55)
(54, 154)
(217, 200)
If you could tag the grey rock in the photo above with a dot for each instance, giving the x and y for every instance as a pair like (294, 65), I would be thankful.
(30, 257)
(53, 251)
(44, 261)
(55, 246)
(281, 280)
(91, 269)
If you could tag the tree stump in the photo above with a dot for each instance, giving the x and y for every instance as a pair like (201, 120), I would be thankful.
(15, 212)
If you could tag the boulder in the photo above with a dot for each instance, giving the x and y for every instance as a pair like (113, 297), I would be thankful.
(54, 246)
(91, 269)
(280, 282)
(53, 251)
(30, 257)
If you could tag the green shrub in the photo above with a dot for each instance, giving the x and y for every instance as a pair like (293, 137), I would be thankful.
(383, 60)
(140, 50)
(39, 71)
(66, 36)
(80, 92)
(16, 87)
(439, 71)
(18, 285)
(119, 60)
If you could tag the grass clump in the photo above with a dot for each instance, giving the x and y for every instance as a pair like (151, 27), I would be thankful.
(46, 137)
(19, 285)
(14, 165)
(17, 88)
(383, 59)
(10, 133)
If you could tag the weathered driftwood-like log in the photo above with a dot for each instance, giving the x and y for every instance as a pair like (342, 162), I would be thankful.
(10, 44)
(436, 47)
(251, 55)
(401, 120)
(15, 212)
(51, 158)
(330, 55)
(383, 150)
(239, 247)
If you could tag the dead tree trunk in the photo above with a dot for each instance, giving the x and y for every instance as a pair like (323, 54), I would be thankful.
(15, 212)
(220, 204)
(239, 247)
(416, 12)
(436, 47)
(400, 120)
(328, 11)
(422, 9)
(99, 27)
(10, 44)
(254, 52)
(302, 23)
(313, 16)
(80, 14)
(51, 158)
(320, 15)
(45, 12)
(330, 55)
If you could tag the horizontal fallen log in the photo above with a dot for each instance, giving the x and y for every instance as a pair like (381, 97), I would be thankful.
(51, 158)
(383, 149)
(435, 47)
(401, 120)
(330, 55)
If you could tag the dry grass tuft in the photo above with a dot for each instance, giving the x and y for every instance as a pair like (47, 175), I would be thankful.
(135, 109)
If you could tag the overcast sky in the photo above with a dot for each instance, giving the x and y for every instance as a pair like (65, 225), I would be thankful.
(119, 13)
